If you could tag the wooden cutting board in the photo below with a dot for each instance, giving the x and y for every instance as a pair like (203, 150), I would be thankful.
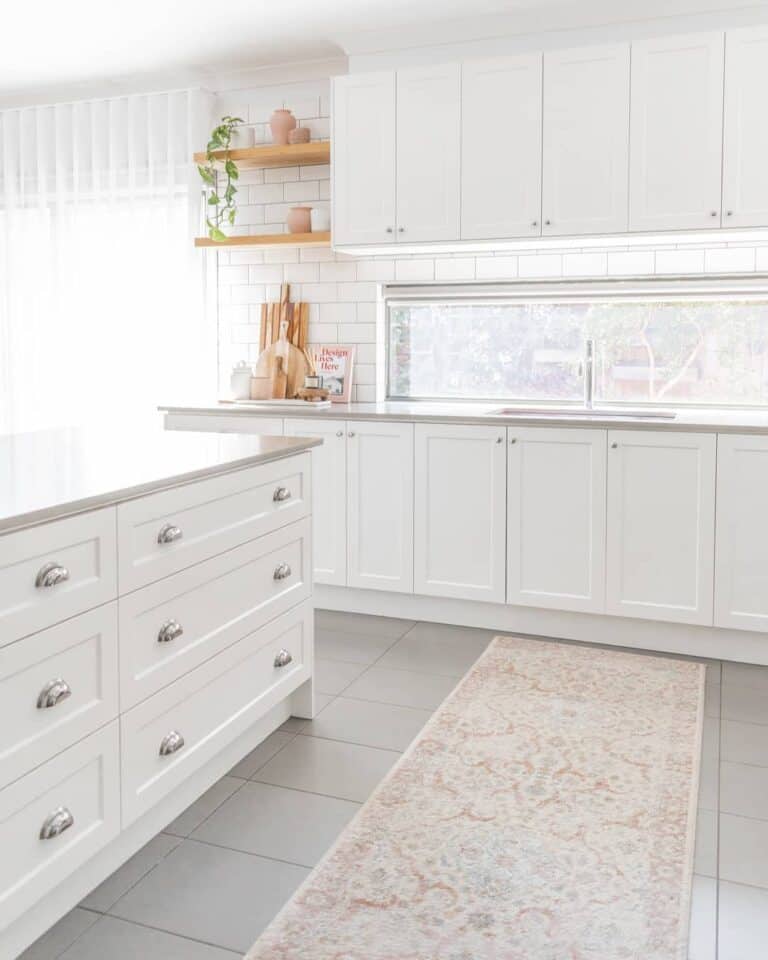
(296, 315)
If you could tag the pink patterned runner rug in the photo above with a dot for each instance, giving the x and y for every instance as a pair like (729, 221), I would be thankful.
(546, 812)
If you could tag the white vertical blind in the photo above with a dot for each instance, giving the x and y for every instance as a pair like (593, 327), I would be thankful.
(101, 291)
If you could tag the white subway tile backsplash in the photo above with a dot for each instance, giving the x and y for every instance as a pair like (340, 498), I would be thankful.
(365, 373)
(631, 263)
(231, 275)
(414, 270)
(359, 292)
(250, 293)
(540, 266)
(317, 171)
(365, 394)
(281, 174)
(301, 272)
(276, 212)
(679, 261)
(585, 265)
(315, 254)
(325, 190)
(366, 312)
(496, 268)
(303, 106)
(323, 332)
(320, 127)
(338, 313)
(345, 270)
(266, 273)
(382, 271)
(734, 260)
(356, 332)
(249, 213)
(455, 268)
(281, 254)
(266, 193)
(302, 191)
(320, 292)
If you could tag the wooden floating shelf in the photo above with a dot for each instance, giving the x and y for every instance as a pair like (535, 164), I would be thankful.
(272, 155)
(319, 239)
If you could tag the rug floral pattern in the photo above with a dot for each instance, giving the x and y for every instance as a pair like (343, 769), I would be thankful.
(546, 812)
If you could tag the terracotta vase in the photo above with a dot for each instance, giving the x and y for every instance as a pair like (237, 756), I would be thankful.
(281, 123)
(299, 135)
(299, 220)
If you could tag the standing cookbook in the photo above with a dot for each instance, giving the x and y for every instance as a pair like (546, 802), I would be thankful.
(334, 364)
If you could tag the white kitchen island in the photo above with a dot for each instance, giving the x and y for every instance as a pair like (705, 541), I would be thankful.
(156, 623)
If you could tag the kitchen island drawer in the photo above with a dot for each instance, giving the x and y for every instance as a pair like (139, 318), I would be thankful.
(168, 531)
(177, 731)
(56, 818)
(170, 627)
(56, 687)
(56, 570)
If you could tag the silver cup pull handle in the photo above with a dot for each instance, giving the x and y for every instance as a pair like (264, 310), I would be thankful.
(283, 659)
(56, 823)
(53, 693)
(281, 494)
(170, 743)
(282, 571)
(51, 574)
(170, 630)
(169, 533)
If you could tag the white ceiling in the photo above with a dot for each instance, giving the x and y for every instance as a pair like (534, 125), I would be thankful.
(50, 44)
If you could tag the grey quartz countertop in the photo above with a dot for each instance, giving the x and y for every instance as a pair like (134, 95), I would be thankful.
(696, 420)
(55, 473)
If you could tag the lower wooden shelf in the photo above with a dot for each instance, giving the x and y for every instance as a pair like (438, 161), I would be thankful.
(319, 239)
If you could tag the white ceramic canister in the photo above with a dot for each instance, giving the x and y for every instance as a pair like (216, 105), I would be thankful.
(320, 218)
(240, 381)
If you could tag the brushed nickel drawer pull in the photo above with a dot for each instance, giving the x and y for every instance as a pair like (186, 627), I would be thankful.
(169, 533)
(56, 823)
(53, 693)
(281, 494)
(51, 574)
(282, 571)
(170, 630)
(170, 743)
(283, 659)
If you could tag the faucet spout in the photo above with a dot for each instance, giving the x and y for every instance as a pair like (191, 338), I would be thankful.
(589, 373)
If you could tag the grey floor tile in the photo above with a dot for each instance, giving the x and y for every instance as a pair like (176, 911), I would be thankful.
(744, 850)
(336, 769)
(294, 725)
(276, 822)
(333, 676)
(702, 943)
(705, 860)
(61, 935)
(712, 700)
(113, 939)
(745, 704)
(207, 893)
(131, 872)
(451, 631)
(445, 651)
(203, 807)
(709, 775)
(743, 922)
(372, 724)
(745, 743)
(350, 647)
(362, 623)
(402, 687)
(746, 675)
(744, 790)
(258, 757)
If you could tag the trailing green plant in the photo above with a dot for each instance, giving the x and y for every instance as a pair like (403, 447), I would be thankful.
(221, 204)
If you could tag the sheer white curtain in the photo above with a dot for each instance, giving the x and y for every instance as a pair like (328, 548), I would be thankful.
(101, 291)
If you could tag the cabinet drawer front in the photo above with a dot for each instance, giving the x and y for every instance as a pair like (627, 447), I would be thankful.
(81, 785)
(54, 571)
(170, 627)
(55, 688)
(194, 718)
(165, 532)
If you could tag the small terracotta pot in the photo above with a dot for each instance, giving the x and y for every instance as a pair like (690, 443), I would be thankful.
(281, 123)
(299, 220)
(299, 135)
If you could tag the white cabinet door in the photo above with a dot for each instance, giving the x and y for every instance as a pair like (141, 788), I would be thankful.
(676, 132)
(661, 520)
(556, 518)
(329, 497)
(459, 515)
(586, 140)
(380, 505)
(741, 558)
(745, 139)
(239, 423)
(501, 147)
(363, 158)
(428, 186)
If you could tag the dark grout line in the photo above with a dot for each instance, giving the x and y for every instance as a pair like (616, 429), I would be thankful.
(180, 936)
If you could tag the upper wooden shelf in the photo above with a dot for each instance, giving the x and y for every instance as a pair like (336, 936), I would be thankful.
(270, 240)
(271, 155)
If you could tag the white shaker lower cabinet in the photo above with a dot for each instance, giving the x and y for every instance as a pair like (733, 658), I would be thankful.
(459, 513)
(741, 558)
(556, 518)
(380, 505)
(661, 525)
(206, 423)
(329, 497)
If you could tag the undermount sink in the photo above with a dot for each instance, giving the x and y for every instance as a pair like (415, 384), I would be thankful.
(582, 412)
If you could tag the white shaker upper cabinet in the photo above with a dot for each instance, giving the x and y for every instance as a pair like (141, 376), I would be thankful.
(460, 512)
(676, 133)
(329, 496)
(586, 141)
(363, 161)
(741, 561)
(556, 518)
(428, 149)
(745, 140)
(501, 147)
(380, 505)
(661, 525)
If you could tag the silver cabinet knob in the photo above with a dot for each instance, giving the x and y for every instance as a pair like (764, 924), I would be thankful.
(499, 439)
(51, 574)
(547, 223)
(729, 213)
(389, 230)
(614, 445)
(53, 693)
(281, 494)
(169, 533)
(170, 630)
(339, 433)
(283, 659)
(282, 571)
(401, 229)
(170, 743)
(56, 823)
(535, 223)
(714, 213)
(351, 433)
(513, 439)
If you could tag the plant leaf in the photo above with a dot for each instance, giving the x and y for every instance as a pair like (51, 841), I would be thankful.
(232, 215)
(213, 200)
(230, 168)
(215, 234)
(207, 174)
